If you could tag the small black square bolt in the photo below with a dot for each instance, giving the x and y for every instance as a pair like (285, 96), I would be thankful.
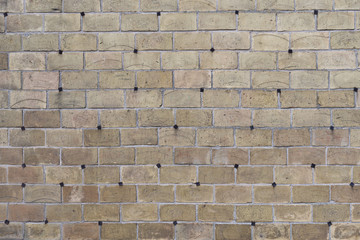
(82, 14)
(175, 223)
(5, 14)
(158, 13)
(236, 12)
(99, 127)
(290, 51)
(135, 51)
(201, 89)
(332, 128)
(46, 221)
(212, 50)
(352, 184)
(274, 184)
(23, 165)
(100, 223)
(158, 165)
(355, 89)
(61, 184)
(313, 165)
(60, 89)
(316, 12)
(121, 183)
(236, 166)
(278, 91)
(136, 88)
(252, 223)
(23, 185)
(251, 127)
(7, 222)
(23, 128)
(60, 51)
(176, 126)
(329, 223)
(83, 166)
(197, 183)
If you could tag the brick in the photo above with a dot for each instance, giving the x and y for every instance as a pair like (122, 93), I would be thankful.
(27, 61)
(217, 21)
(345, 194)
(36, 193)
(156, 231)
(180, 60)
(192, 79)
(156, 118)
(94, 22)
(310, 40)
(26, 213)
(63, 213)
(344, 5)
(139, 174)
(95, 212)
(235, 5)
(257, 60)
(154, 79)
(218, 175)
(79, 118)
(116, 156)
(178, 21)
(27, 99)
(78, 42)
(142, 61)
(139, 22)
(311, 118)
(182, 98)
(3, 211)
(344, 40)
(331, 212)
(11, 193)
(196, 117)
(216, 213)
(154, 155)
(25, 175)
(79, 80)
(272, 118)
(232, 231)
(10, 118)
(65, 61)
(325, 137)
(24, 23)
(355, 212)
(343, 156)
(335, 20)
(215, 137)
(309, 79)
(194, 231)
(81, 5)
(254, 213)
(62, 22)
(103, 138)
(256, 21)
(310, 231)
(188, 5)
(346, 118)
(139, 212)
(293, 175)
(354, 138)
(39, 156)
(3, 179)
(269, 194)
(144, 136)
(310, 194)
(40, 80)
(154, 41)
(192, 40)
(118, 231)
(43, 231)
(13, 231)
(12, 6)
(4, 61)
(10, 43)
(4, 137)
(148, 193)
(310, 5)
(64, 138)
(258, 99)
(271, 80)
(270, 41)
(116, 41)
(231, 79)
(118, 118)
(306, 156)
(118, 6)
(253, 175)
(68, 175)
(296, 21)
(335, 99)
(233, 194)
(116, 79)
(344, 230)
(78, 156)
(81, 230)
(158, 5)
(19, 138)
(177, 212)
(292, 137)
(10, 80)
(336, 60)
(297, 60)
(275, 5)
(80, 194)
(332, 174)
(143, 98)
(93, 175)
(40, 42)
(276, 156)
(103, 60)
(178, 174)
(218, 60)
(105, 99)
(194, 193)
(226, 156)
(293, 213)
(42, 119)
(227, 118)
(253, 138)
(230, 98)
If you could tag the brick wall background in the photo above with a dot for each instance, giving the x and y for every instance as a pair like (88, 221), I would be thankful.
(179, 119)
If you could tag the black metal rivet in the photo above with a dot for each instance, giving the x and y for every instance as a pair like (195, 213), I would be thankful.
(60, 51)
(174, 222)
(352, 184)
(251, 127)
(236, 166)
(7, 222)
(332, 128)
(99, 127)
(83, 166)
(201, 89)
(46, 221)
(212, 50)
(316, 12)
(313, 165)
(236, 12)
(158, 165)
(158, 13)
(176, 126)
(5, 14)
(60, 89)
(23, 128)
(274, 184)
(23, 185)
(252, 223)
(197, 183)
(278, 91)
(355, 89)
(23, 165)
(290, 51)
(136, 88)
(61, 184)
(121, 183)
(82, 14)
(329, 223)
(135, 51)
(100, 223)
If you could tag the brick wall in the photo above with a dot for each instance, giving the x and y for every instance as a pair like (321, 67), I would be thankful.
(179, 119)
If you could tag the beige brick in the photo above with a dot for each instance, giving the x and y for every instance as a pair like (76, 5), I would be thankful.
(27, 61)
(193, 193)
(310, 41)
(180, 60)
(139, 174)
(188, 5)
(253, 138)
(345, 194)
(182, 98)
(62, 22)
(230, 98)
(258, 99)
(346, 118)
(139, 22)
(271, 118)
(331, 212)
(256, 21)
(78, 42)
(158, 5)
(178, 174)
(217, 21)
(77, 156)
(216, 213)
(292, 137)
(80, 194)
(116, 156)
(231, 40)
(336, 60)
(42, 232)
(143, 136)
(194, 231)
(344, 40)
(25, 175)
(335, 20)
(156, 118)
(196, 117)
(24, 23)
(13, 231)
(275, 5)
(79, 118)
(103, 60)
(192, 156)
(63, 213)
(254, 213)
(79, 80)
(4, 137)
(355, 212)
(192, 40)
(40, 42)
(298, 99)
(10, 118)
(178, 21)
(233, 194)
(65, 61)
(354, 138)
(67, 175)
(19, 138)
(192, 79)
(94, 22)
(269, 194)
(39, 156)
(116, 41)
(218, 60)
(116, 79)
(81, 5)
(36, 193)
(156, 230)
(40, 80)
(306, 155)
(118, 118)
(81, 230)
(105, 99)
(293, 213)
(231, 79)
(236, 5)
(64, 137)
(325, 137)
(332, 174)
(344, 230)
(154, 41)
(296, 21)
(309, 79)
(42, 119)
(4, 99)
(309, 194)
(257, 60)
(343, 156)
(142, 61)
(118, 230)
(177, 212)
(336, 99)
(93, 175)
(345, 5)
(154, 79)
(10, 80)
(215, 137)
(118, 6)
(311, 118)
(293, 175)
(4, 62)
(95, 212)
(139, 212)
(12, 6)
(270, 41)
(297, 60)
(275, 156)
(148, 193)
(11, 193)
(231, 117)
(219, 175)
(103, 138)
(3, 179)
(154, 155)
(310, 5)
(253, 175)
(143, 98)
